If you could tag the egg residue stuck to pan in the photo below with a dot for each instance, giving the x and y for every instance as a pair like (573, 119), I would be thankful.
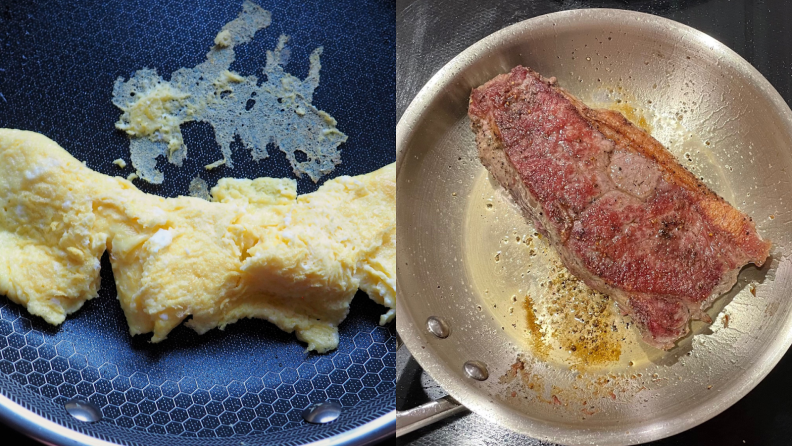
(277, 108)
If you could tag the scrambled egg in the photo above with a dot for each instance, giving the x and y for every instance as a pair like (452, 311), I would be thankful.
(258, 250)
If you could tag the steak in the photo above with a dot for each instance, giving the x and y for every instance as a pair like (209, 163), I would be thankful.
(624, 216)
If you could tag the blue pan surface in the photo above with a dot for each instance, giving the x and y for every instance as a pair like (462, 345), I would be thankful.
(58, 62)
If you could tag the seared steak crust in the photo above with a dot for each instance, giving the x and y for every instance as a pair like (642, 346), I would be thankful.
(622, 213)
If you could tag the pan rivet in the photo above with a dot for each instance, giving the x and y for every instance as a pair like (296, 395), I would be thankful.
(437, 327)
(476, 370)
(83, 410)
(321, 413)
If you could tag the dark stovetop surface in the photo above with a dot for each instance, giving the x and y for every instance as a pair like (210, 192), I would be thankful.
(758, 30)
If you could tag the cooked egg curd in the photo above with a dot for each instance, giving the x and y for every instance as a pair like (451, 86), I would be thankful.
(257, 250)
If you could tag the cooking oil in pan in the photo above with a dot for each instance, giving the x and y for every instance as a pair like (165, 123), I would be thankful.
(545, 309)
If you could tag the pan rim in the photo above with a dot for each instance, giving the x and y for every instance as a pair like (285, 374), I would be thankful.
(409, 328)
(47, 431)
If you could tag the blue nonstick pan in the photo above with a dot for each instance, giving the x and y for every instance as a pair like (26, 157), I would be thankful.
(88, 381)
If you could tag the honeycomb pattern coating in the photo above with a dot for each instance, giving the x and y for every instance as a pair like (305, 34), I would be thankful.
(59, 62)
(58, 369)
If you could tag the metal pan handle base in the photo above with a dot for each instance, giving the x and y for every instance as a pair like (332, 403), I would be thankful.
(426, 414)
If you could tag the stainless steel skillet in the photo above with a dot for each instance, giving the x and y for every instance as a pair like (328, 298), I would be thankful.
(719, 98)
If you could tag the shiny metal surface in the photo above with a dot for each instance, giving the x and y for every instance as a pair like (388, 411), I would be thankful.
(438, 327)
(476, 370)
(321, 413)
(83, 410)
(720, 99)
(426, 414)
